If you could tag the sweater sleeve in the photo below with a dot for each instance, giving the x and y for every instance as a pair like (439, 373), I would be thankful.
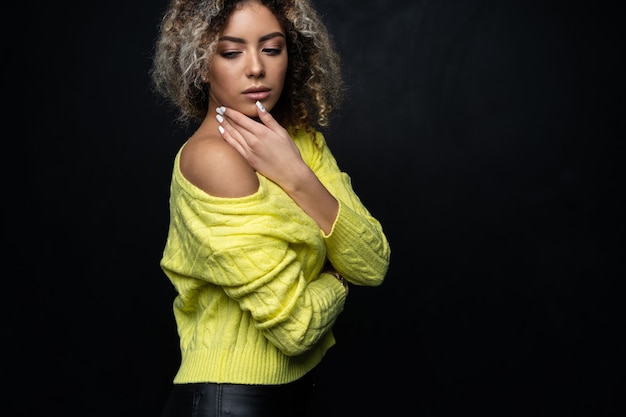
(357, 246)
(293, 314)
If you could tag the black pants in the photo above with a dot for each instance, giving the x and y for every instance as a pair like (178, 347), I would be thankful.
(234, 400)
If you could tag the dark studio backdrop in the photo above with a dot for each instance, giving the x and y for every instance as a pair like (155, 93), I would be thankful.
(487, 137)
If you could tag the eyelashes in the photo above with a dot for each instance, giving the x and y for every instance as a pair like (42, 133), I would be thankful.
(266, 51)
(273, 51)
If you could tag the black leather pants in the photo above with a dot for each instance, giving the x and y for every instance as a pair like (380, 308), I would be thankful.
(234, 400)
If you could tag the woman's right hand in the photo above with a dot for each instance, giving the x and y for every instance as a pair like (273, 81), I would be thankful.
(266, 145)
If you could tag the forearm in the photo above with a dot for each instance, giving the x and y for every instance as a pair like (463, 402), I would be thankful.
(358, 247)
(309, 193)
(297, 328)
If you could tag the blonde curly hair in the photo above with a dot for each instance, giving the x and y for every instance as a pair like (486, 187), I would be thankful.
(187, 42)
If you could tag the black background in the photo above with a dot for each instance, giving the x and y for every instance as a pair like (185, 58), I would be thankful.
(487, 137)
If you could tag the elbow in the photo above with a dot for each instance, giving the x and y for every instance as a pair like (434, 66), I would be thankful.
(290, 347)
(374, 281)
(370, 276)
(295, 350)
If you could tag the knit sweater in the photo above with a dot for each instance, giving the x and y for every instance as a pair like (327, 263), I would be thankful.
(253, 304)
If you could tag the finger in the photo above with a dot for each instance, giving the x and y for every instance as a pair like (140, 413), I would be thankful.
(229, 123)
(231, 135)
(240, 121)
(267, 119)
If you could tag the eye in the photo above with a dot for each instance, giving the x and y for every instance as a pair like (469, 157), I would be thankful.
(272, 51)
(229, 54)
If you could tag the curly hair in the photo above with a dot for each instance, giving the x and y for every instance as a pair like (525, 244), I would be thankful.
(187, 42)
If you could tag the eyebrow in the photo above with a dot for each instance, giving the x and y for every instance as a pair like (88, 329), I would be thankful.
(261, 39)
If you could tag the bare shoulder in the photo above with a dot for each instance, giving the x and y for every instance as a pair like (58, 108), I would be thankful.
(217, 168)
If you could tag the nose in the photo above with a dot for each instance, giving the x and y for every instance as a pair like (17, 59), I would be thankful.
(256, 68)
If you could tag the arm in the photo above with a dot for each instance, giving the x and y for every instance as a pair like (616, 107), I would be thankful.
(357, 245)
(292, 314)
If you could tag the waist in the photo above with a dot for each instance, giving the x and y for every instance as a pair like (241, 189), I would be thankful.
(248, 364)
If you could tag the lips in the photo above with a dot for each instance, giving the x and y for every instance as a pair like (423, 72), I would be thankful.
(257, 93)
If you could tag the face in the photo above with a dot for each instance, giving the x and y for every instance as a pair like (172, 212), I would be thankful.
(250, 62)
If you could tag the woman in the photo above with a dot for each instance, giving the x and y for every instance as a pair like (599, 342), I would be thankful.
(265, 231)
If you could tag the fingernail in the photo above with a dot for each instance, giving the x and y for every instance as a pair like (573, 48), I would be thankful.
(260, 106)
(219, 118)
(221, 129)
(220, 109)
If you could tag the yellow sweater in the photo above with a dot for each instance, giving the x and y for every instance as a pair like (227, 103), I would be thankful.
(253, 306)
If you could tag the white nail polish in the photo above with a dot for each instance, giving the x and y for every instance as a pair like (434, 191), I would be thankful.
(220, 110)
(221, 129)
(260, 106)
(219, 118)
